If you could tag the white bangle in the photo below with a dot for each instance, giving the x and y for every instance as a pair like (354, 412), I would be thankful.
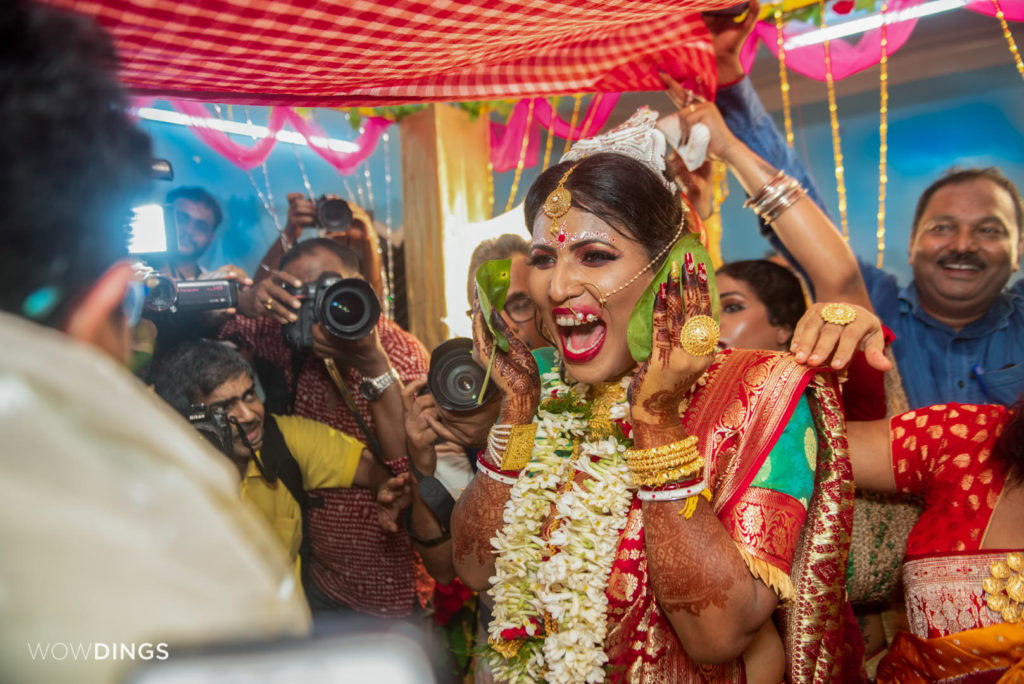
(671, 494)
(494, 475)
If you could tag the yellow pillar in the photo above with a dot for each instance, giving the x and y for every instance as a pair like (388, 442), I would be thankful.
(444, 183)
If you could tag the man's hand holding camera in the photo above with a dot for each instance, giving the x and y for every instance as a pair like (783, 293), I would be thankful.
(366, 355)
(269, 298)
(423, 427)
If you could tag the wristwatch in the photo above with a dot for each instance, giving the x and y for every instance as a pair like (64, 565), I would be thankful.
(373, 388)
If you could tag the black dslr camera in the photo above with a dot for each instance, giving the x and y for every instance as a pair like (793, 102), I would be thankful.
(455, 379)
(333, 214)
(213, 425)
(347, 307)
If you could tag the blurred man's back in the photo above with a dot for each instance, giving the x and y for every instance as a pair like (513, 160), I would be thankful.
(121, 530)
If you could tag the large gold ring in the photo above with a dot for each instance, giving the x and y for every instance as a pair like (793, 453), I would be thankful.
(838, 313)
(700, 336)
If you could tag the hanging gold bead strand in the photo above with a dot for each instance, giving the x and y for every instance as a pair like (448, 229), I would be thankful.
(522, 158)
(783, 78)
(837, 148)
(883, 135)
(1009, 38)
(576, 101)
(551, 132)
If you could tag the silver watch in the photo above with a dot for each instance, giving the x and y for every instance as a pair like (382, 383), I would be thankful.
(373, 388)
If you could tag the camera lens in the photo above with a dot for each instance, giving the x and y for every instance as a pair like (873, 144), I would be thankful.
(333, 214)
(161, 293)
(455, 379)
(349, 309)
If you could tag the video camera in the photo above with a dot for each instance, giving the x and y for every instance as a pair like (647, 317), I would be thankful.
(154, 236)
(214, 425)
(455, 379)
(347, 308)
(164, 294)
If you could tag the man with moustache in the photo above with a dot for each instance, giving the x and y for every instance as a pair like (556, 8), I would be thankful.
(280, 457)
(959, 331)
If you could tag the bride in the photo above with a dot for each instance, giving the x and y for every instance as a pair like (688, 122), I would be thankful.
(648, 509)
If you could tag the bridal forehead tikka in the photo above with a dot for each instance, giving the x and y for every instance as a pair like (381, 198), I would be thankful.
(637, 138)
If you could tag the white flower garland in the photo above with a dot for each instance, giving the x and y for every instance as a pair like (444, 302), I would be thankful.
(565, 591)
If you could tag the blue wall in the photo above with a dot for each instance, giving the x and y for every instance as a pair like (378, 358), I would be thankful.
(968, 119)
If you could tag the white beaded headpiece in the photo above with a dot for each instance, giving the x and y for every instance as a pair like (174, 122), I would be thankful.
(637, 138)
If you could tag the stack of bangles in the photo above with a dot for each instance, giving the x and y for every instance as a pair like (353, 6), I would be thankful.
(775, 197)
(509, 448)
(669, 472)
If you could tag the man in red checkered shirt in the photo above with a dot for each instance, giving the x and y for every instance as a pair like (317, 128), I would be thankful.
(353, 563)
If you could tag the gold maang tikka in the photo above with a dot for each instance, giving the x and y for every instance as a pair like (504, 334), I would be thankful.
(559, 201)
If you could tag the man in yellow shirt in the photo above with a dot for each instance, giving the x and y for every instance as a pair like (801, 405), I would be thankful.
(279, 458)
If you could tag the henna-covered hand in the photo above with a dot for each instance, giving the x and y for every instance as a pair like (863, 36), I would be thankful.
(515, 372)
(662, 382)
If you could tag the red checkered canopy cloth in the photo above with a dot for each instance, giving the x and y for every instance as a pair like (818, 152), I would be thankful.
(374, 52)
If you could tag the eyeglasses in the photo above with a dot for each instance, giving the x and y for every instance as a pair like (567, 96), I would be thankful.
(520, 308)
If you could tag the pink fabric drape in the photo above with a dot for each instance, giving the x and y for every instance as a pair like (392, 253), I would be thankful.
(507, 138)
(849, 58)
(247, 157)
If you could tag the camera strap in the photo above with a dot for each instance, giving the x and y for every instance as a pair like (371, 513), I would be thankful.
(280, 464)
(371, 440)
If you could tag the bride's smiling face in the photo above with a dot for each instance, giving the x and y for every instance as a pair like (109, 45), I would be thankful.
(574, 260)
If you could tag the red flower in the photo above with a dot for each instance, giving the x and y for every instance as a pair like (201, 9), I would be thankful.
(449, 599)
(842, 6)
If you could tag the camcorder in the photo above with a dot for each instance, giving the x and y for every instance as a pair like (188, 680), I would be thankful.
(164, 294)
(347, 308)
(455, 379)
(153, 236)
(214, 425)
(333, 214)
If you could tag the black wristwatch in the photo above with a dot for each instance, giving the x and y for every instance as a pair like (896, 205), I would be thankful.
(373, 388)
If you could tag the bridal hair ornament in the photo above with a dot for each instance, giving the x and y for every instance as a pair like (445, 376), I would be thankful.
(638, 138)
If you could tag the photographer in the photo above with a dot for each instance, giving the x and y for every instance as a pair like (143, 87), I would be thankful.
(300, 453)
(118, 525)
(354, 564)
(348, 225)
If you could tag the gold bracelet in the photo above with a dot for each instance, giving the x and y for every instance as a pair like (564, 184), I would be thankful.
(666, 463)
(669, 476)
(520, 447)
(651, 465)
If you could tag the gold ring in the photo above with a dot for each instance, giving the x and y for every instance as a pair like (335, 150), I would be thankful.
(269, 304)
(838, 313)
(700, 336)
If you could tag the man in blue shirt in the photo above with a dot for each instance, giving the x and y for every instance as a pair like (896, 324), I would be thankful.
(959, 330)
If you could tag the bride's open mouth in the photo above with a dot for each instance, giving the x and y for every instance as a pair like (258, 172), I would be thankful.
(582, 333)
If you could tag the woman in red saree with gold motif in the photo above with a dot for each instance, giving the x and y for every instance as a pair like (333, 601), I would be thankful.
(649, 509)
(963, 572)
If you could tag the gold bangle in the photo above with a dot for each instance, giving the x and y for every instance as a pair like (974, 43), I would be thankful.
(520, 447)
(663, 464)
(669, 476)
